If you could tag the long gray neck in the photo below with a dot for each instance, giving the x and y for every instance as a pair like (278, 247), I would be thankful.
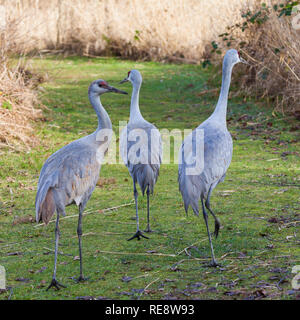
(135, 113)
(103, 117)
(221, 107)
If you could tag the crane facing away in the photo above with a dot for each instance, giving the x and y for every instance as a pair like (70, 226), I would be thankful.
(141, 150)
(69, 175)
(216, 156)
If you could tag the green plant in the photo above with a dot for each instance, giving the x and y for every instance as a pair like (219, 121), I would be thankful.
(257, 17)
(137, 35)
(6, 105)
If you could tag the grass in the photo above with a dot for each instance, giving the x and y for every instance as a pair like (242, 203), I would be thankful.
(258, 204)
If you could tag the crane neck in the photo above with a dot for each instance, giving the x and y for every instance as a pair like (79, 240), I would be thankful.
(135, 113)
(221, 107)
(103, 117)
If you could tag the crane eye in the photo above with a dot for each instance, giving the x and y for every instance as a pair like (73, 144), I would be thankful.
(102, 84)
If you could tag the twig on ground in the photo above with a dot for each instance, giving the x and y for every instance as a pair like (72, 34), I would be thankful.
(148, 285)
(59, 252)
(139, 253)
(184, 250)
(207, 91)
(102, 233)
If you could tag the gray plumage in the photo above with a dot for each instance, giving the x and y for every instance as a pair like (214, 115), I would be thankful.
(217, 153)
(144, 164)
(70, 174)
(145, 174)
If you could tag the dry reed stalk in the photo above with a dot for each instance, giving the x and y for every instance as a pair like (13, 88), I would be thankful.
(273, 49)
(17, 95)
(17, 110)
(280, 73)
(154, 30)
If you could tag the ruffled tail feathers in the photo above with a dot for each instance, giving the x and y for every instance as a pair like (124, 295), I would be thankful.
(46, 209)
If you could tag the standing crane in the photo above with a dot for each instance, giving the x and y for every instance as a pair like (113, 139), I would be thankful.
(141, 150)
(69, 175)
(216, 156)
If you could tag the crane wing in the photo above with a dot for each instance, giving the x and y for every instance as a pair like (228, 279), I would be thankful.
(153, 152)
(217, 154)
(69, 175)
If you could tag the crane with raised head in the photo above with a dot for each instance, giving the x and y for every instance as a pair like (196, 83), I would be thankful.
(69, 175)
(141, 150)
(216, 145)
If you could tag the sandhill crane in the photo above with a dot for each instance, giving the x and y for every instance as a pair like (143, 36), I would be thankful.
(141, 149)
(216, 156)
(70, 174)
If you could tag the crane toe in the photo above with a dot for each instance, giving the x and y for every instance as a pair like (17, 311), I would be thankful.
(212, 264)
(215, 264)
(80, 279)
(217, 228)
(137, 235)
(148, 229)
(54, 283)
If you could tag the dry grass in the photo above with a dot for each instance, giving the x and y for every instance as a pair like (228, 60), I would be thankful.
(17, 102)
(154, 30)
(282, 70)
(272, 48)
(17, 95)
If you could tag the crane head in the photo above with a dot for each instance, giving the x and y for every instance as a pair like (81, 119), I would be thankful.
(233, 56)
(100, 86)
(242, 59)
(133, 76)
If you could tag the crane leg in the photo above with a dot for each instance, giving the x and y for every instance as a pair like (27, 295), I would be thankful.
(54, 283)
(217, 221)
(138, 233)
(79, 233)
(148, 211)
(214, 262)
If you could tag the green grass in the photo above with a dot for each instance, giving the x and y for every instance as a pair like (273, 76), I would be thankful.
(258, 204)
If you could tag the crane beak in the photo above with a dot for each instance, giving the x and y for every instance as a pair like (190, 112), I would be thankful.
(244, 61)
(115, 90)
(124, 80)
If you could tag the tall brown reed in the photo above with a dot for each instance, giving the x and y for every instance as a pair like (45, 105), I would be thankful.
(17, 96)
(272, 47)
(154, 30)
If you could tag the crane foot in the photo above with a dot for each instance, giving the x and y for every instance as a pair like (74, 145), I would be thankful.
(138, 235)
(213, 264)
(80, 279)
(148, 229)
(54, 283)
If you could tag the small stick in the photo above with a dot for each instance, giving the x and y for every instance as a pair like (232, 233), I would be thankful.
(149, 284)
(101, 233)
(138, 253)
(86, 234)
(207, 91)
(293, 222)
(59, 252)
(190, 246)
